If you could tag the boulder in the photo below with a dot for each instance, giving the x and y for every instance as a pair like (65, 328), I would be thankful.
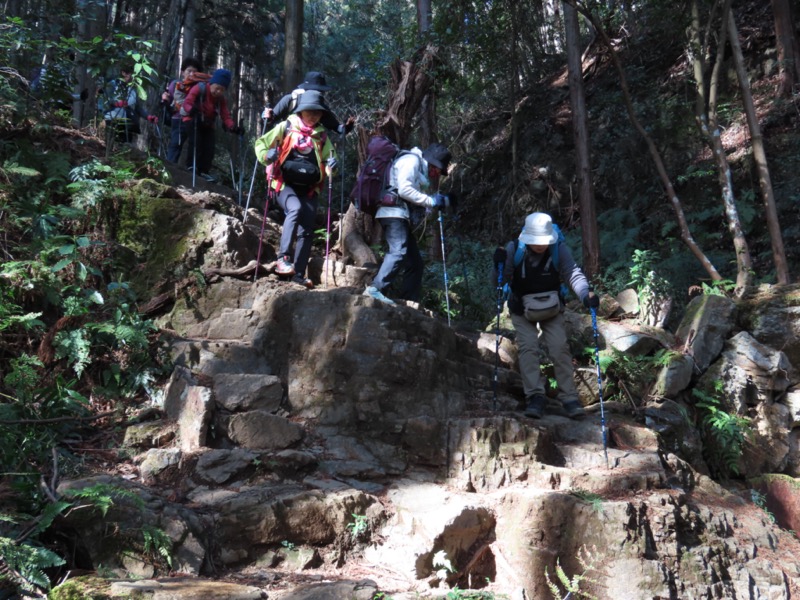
(747, 373)
(772, 316)
(704, 328)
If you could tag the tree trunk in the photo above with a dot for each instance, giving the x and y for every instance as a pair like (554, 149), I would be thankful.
(760, 157)
(686, 235)
(583, 168)
(513, 95)
(708, 122)
(12, 8)
(788, 50)
(410, 83)
(92, 23)
(424, 15)
(189, 47)
(170, 38)
(293, 52)
(116, 15)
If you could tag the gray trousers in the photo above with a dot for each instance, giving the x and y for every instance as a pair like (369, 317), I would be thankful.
(554, 335)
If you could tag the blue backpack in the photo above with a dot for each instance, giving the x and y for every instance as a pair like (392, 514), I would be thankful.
(519, 255)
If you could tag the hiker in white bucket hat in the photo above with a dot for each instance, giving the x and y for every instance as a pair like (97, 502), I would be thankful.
(534, 269)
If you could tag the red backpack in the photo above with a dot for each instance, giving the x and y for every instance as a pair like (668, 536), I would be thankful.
(182, 88)
(373, 178)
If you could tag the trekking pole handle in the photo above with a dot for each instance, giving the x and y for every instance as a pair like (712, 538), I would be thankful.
(267, 120)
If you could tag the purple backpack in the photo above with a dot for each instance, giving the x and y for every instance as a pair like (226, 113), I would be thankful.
(373, 178)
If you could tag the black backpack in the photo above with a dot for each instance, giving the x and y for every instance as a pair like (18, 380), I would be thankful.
(297, 168)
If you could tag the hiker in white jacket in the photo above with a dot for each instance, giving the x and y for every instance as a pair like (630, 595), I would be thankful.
(411, 179)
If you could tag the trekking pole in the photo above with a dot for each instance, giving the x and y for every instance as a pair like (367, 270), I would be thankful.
(158, 135)
(233, 173)
(255, 167)
(444, 267)
(341, 202)
(499, 290)
(162, 147)
(194, 155)
(263, 225)
(464, 271)
(328, 227)
(599, 383)
(241, 164)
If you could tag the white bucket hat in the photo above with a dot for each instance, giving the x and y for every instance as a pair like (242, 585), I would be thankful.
(538, 230)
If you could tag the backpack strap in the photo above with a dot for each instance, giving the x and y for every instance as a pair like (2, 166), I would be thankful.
(296, 93)
(388, 173)
(519, 258)
(284, 147)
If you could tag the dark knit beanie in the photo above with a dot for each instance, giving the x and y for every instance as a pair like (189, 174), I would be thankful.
(222, 77)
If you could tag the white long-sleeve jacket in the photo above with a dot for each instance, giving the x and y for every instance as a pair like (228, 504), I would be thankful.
(409, 177)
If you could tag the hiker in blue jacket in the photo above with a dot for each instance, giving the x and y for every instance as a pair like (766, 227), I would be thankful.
(412, 179)
(534, 267)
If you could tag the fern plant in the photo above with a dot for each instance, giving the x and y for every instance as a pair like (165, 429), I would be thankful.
(571, 586)
(25, 565)
(724, 434)
(157, 544)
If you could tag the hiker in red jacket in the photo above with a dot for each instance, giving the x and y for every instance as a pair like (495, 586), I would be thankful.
(202, 105)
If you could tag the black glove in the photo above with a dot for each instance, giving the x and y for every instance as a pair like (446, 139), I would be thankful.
(591, 300)
(272, 155)
(237, 130)
(499, 257)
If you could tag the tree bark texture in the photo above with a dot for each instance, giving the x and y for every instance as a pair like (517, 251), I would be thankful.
(410, 83)
(788, 48)
(583, 167)
(189, 47)
(293, 51)
(424, 16)
(170, 39)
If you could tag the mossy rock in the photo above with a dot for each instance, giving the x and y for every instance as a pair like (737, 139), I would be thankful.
(87, 587)
(158, 230)
(153, 189)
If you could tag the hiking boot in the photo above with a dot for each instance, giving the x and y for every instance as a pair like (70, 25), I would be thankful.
(573, 408)
(284, 266)
(375, 293)
(535, 406)
(208, 177)
(304, 281)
